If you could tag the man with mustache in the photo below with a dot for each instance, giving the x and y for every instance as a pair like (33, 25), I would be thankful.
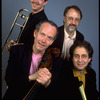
(68, 33)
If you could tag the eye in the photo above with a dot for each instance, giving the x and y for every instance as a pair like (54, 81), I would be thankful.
(70, 18)
(50, 39)
(76, 56)
(84, 56)
(77, 19)
(42, 34)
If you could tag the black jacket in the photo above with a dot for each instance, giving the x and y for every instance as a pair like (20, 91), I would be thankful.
(27, 34)
(17, 73)
(60, 38)
(70, 84)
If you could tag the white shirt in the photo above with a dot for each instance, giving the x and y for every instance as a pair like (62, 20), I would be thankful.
(68, 41)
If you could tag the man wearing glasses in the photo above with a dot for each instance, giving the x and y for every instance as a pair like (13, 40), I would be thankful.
(68, 33)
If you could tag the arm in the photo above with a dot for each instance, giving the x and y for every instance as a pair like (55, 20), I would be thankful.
(15, 72)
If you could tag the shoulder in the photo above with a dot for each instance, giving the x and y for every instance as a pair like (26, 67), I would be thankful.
(79, 35)
(91, 71)
(91, 74)
(17, 48)
(61, 30)
(42, 15)
(61, 27)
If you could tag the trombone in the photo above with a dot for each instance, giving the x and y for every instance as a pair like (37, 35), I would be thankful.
(23, 16)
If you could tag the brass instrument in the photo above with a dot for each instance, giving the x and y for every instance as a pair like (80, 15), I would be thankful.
(23, 16)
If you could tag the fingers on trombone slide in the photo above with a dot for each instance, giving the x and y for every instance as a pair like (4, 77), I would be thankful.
(10, 44)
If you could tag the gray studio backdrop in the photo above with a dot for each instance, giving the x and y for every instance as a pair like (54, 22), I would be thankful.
(89, 25)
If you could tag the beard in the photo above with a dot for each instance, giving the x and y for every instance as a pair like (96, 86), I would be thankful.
(71, 27)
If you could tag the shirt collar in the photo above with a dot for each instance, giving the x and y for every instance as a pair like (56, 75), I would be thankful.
(77, 75)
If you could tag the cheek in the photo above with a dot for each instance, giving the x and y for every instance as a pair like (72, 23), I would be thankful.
(48, 43)
(38, 37)
(87, 61)
(74, 60)
(77, 24)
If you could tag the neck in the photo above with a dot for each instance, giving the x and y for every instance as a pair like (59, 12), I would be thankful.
(69, 33)
(80, 72)
(36, 11)
(37, 52)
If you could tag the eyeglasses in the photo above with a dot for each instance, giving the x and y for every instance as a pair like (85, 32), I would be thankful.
(71, 19)
(83, 56)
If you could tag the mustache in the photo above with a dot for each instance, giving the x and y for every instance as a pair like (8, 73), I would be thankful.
(72, 25)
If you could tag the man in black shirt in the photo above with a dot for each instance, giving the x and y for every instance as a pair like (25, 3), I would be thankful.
(35, 17)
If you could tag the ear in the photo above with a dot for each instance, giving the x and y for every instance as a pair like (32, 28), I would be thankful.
(89, 59)
(64, 19)
(45, 2)
(34, 33)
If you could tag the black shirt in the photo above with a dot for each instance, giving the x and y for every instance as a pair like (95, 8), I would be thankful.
(27, 34)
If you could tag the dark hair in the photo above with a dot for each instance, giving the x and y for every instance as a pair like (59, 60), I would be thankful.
(49, 22)
(84, 44)
(72, 7)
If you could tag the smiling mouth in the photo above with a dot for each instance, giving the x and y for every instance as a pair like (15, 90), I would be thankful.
(80, 64)
(41, 45)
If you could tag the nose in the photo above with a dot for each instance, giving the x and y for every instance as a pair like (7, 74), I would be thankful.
(44, 39)
(80, 59)
(74, 21)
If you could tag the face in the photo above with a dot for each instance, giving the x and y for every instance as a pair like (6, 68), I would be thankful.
(38, 5)
(71, 20)
(44, 37)
(80, 58)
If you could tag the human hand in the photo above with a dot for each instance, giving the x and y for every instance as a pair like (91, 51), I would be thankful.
(12, 43)
(43, 76)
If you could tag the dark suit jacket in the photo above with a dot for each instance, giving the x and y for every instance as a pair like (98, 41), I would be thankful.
(27, 34)
(70, 84)
(17, 73)
(60, 38)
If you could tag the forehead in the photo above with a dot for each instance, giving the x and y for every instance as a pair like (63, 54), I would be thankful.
(48, 29)
(39, 0)
(47, 26)
(73, 12)
(80, 51)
